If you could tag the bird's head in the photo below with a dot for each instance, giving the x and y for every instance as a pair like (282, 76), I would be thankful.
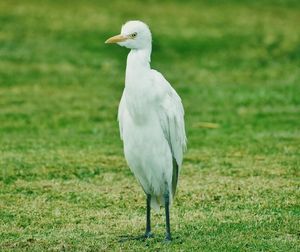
(134, 35)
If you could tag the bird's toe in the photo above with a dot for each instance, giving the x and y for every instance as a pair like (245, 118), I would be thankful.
(148, 235)
(168, 238)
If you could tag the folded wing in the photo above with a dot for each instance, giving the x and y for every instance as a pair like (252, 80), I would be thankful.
(171, 115)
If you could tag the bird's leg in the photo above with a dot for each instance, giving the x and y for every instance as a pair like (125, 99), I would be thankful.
(167, 204)
(148, 233)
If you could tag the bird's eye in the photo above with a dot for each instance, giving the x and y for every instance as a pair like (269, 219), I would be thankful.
(133, 35)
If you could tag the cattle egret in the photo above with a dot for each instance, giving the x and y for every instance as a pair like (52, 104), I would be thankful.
(151, 121)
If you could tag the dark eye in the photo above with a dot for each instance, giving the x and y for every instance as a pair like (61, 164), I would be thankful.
(133, 35)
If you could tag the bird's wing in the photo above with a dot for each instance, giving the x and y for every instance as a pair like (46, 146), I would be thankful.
(120, 114)
(171, 115)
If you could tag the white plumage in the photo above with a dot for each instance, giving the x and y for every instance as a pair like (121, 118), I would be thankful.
(151, 118)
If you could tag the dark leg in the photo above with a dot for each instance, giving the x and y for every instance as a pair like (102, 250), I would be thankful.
(148, 233)
(168, 230)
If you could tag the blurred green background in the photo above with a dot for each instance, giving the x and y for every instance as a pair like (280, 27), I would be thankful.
(64, 184)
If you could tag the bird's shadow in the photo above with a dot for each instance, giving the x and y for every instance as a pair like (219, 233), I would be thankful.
(142, 238)
(125, 238)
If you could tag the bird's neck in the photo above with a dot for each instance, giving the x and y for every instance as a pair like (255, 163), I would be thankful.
(140, 56)
(138, 84)
(138, 64)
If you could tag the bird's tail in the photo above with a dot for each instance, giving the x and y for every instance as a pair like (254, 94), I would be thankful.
(155, 203)
(158, 201)
(174, 178)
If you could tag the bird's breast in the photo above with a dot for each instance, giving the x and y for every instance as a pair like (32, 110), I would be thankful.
(140, 107)
(141, 99)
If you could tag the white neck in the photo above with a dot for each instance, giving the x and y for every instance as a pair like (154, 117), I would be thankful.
(143, 55)
(138, 83)
(138, 64)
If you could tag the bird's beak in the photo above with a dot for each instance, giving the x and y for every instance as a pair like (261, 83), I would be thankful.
(116, 39)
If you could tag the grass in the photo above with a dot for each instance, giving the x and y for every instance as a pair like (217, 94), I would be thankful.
(64, 183)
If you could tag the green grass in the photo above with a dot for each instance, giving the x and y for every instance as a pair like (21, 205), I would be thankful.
(64, 183)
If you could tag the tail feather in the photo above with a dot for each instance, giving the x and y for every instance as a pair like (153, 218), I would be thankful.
(157, 201)
(174, 177)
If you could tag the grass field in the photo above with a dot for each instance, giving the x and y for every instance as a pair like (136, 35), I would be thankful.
(64, 183)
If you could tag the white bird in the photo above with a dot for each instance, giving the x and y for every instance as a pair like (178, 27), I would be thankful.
(151, 121)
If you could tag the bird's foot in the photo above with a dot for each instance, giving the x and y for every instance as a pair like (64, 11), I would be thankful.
(124, 238)
(148, 235)
(168, 238)
(145, 236)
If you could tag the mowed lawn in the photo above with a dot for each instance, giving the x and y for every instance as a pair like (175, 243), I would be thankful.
(64, 183)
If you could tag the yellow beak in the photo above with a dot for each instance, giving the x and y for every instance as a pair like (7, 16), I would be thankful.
(116, 39)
